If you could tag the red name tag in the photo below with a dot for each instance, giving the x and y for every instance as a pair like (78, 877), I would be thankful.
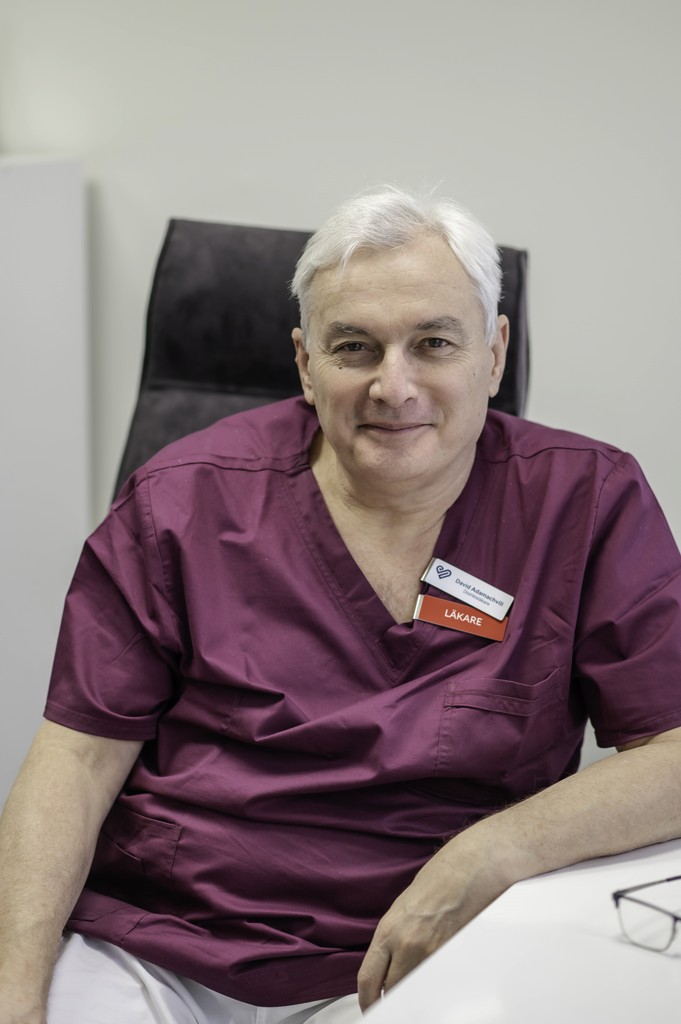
(458, 616)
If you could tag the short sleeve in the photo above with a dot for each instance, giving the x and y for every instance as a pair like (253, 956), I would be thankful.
(114, 666)
(628, 644)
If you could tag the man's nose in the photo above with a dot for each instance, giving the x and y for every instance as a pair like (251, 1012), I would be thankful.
(393, 382)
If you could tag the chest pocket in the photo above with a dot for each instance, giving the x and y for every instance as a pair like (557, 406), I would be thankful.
(503, 732)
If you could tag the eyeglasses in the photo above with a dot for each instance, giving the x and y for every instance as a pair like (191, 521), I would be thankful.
(646, 924)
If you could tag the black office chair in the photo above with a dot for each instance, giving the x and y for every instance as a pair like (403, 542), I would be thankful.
(219, 331)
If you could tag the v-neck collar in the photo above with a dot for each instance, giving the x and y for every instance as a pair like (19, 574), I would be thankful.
(394, 643)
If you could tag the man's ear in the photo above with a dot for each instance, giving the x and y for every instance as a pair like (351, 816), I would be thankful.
(499, 347)
(303, 364)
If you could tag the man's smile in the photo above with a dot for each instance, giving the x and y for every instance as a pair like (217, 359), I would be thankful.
(393, 428)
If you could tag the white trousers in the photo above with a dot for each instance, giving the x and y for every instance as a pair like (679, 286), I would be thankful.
(97, 983)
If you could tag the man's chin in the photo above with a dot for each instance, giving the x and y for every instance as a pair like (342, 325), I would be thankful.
(405, 462)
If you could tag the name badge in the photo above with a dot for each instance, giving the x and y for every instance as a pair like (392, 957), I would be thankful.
(470, 589)
(458, 616)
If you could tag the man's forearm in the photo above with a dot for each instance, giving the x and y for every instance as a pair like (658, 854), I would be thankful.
(625, 801)
(629, 800)
(47, 836)
(46, 842)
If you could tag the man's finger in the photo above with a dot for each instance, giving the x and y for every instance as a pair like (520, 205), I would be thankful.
(371, 977)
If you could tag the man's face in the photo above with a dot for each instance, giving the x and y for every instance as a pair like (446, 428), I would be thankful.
(397, 364)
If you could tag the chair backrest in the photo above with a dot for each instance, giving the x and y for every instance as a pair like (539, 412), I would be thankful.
(219, 328)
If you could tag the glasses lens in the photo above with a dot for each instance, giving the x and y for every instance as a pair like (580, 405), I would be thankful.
(645, 926)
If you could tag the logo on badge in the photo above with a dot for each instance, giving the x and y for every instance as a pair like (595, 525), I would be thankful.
(442, 571)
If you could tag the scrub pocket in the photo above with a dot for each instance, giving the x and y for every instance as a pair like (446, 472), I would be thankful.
(495, 731)
(133, 853)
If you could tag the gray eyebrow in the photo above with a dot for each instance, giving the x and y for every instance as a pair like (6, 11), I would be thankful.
(439, 323)
(442, 323)
(337, 327)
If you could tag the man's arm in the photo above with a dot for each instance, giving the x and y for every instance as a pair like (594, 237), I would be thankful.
(47, 838)
(625, 801)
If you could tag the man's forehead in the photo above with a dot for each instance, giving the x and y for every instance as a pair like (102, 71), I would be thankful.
(415, 271)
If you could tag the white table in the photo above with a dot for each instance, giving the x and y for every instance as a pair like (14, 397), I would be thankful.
(549, 951)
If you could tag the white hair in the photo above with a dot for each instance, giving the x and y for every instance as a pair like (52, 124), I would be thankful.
(389, 217)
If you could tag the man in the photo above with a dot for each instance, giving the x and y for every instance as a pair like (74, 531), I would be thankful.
(326, 765)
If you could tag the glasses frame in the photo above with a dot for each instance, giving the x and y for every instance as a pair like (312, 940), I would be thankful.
(625, 894)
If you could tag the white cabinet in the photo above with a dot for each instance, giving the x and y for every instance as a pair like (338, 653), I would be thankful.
(44, 471)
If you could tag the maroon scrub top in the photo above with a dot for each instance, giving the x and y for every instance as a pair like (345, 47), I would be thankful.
(305, 754)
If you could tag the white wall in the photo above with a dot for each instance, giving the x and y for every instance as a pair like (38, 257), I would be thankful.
(556, 123)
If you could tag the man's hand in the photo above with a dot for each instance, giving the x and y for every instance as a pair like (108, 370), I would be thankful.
(625, 801)
(23, 991)
(18, 1011)
(445, 895)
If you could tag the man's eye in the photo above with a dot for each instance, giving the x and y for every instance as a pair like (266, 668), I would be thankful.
(435, 342)
(351, 346)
